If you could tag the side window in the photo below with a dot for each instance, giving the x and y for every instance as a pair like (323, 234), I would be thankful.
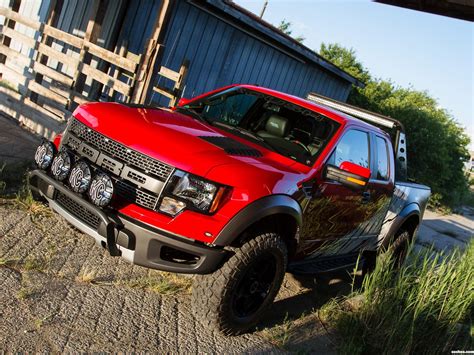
(353, 147)
(382, 159)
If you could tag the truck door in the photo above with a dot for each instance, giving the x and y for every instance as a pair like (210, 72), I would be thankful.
(380, 186)
(336, 218)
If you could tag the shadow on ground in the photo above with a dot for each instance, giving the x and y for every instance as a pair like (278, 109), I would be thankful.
(293, 322)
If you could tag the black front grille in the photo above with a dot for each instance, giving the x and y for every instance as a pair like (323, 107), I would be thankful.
(77, 210)
(120, 151)
(137, 196)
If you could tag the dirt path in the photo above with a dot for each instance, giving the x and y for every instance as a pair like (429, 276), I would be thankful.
(446, 232)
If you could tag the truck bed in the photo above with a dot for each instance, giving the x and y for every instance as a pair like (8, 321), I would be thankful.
(407, 198)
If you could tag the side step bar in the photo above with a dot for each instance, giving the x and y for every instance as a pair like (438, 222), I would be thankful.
(324, 264)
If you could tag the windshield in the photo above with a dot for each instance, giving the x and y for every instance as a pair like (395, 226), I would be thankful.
(286, 128)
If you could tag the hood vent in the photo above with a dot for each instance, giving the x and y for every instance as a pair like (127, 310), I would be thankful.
(232, 147)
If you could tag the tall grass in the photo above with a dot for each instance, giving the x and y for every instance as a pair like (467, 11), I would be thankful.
(426, 307)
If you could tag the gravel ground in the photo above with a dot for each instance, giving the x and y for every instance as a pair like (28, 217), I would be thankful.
(47, 306)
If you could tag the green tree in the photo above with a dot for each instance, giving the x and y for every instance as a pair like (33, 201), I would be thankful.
(437, 145)
(345, 59)
(285, 27)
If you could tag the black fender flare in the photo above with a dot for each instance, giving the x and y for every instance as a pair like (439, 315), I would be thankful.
(412, 209)
(255, 211)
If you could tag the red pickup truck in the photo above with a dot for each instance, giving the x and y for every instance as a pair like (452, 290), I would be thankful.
(237, 186)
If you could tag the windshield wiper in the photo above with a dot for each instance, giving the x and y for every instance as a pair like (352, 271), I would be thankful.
(247, 133)
(192, 113)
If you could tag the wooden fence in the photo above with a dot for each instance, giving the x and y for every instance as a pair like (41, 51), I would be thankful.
(178, 77)
(44, 83)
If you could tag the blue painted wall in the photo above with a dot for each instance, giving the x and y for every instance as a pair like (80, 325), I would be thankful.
(221, 54)
(138, 23)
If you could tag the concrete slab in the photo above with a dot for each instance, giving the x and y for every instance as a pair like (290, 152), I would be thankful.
(446, 232)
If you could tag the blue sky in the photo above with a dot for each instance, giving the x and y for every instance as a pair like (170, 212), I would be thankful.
(429, 52)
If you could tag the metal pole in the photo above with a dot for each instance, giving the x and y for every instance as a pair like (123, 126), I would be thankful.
(264, 8)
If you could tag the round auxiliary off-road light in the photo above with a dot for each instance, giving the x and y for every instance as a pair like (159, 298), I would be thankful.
(61, 165)
(80, 177)
(44, 155)
(101, 190)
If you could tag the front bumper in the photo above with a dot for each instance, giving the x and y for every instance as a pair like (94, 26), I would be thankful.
(136, 242)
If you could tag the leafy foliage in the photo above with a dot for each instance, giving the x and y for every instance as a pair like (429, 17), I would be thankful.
(437, 144)
(285, 27)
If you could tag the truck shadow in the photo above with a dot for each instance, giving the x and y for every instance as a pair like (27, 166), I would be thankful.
(304, 294)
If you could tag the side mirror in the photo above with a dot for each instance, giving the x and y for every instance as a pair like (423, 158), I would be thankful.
(183, 101)
(348, 174)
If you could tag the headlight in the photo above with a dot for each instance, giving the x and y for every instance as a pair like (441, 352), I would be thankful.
(186, 190)
(44, 155)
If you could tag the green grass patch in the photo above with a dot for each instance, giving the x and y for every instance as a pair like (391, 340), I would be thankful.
(8, 262)
(162, 282)
(24, 293)
(35, 264)
(425, 307)
(281, 334)
(14, 188)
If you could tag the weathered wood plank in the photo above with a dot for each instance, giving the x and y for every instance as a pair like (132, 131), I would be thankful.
(31, 115)
(170, 74)
(111, 57)
(106, 79)
(16, 77)
(17, 36)
(15, 16)
(13, 54)
(133, 57)
(51, 73)
(54, 54)
(47, 93)
(164, 92)
(22, 59)
(73, 96)
(63, 36)
(153, 52)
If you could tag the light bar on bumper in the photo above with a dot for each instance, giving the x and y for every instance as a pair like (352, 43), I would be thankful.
(44, 154)
(185, 190)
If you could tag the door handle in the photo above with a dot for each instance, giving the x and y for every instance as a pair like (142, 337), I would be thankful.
(365, 197)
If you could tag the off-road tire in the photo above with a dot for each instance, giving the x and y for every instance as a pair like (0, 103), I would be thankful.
(399, 248)
(213, 294)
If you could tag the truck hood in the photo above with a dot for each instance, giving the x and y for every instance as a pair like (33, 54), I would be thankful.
(176, 139)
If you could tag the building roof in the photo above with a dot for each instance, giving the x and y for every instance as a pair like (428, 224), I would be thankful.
(461, 9)
(279, 38)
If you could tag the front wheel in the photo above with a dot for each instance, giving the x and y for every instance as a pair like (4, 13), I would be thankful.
(233, 298)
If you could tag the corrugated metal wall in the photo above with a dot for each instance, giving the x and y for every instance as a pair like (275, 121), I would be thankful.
(219, 53)
(73, 19)
(222, 54)
(138, 23)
